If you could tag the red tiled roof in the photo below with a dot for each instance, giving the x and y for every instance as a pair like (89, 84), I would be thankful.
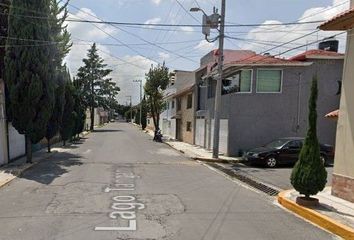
(317, 53)
(333, 114)
(257, 59)
(342, 21)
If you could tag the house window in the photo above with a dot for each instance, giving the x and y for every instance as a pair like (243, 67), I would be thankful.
(179, 104)
(189, 101)
(240, 81)
(269, 81)
(173, 104)
(189, 126)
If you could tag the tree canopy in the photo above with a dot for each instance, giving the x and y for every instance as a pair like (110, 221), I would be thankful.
(97, 87)
(28, 69)
(157, 80)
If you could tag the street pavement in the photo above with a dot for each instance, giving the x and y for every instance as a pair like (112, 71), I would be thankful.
(278, 177)
(118, 179)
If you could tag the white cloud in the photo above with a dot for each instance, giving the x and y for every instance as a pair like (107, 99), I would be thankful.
(157, 2)
(124, 71)
(205, 46)
(187, 29)
(275, 35)
(164, 56)
(152, 21)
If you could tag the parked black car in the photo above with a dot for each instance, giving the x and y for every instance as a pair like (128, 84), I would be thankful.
(284, 151)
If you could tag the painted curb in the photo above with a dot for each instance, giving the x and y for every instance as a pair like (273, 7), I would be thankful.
(315, 217)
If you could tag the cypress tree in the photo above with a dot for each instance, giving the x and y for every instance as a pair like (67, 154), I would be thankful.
(28, 69)
(56, 119)
(69, 115)
(4, 9)
(79, 109)
(144, 113)
(309, 175)
(59, 50)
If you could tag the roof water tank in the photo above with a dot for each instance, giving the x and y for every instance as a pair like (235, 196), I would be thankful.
(329, 45)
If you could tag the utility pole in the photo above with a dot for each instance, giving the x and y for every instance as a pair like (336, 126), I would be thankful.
(141, 99)
(213, 22)
(216, 139)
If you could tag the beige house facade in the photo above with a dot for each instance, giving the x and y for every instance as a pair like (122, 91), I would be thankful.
(343, 173)
(185, 115)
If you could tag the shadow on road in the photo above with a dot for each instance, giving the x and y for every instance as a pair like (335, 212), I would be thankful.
(106, 130)
(47, 171)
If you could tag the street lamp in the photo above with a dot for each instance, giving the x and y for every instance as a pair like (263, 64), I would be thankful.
(141, 99)
(212, 22)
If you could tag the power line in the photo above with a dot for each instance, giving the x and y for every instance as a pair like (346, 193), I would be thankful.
(184, 9)
(137, 36)
(191, 25)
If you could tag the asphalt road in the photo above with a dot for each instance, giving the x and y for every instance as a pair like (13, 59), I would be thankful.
(118, 178)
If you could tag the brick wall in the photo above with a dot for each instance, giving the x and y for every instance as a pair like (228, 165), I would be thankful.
(343, 187)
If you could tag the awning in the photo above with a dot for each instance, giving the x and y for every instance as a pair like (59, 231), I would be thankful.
(333, 114)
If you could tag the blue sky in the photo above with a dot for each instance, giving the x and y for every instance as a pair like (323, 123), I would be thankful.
(131, 63)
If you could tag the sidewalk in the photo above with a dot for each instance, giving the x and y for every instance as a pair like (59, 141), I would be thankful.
(14, 169)
(196, 152)
(334, 214)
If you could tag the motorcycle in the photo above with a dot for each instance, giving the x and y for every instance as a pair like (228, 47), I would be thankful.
(158, 136)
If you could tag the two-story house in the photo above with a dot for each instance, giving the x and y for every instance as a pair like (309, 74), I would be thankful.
(264, 98)
(177, 121)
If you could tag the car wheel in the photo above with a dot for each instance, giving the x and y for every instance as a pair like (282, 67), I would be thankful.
(271, 162)
(323, 159)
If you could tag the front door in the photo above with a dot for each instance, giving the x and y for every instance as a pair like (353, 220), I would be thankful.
(179, 130)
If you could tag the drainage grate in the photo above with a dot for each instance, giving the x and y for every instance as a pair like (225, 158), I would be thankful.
(246, 179)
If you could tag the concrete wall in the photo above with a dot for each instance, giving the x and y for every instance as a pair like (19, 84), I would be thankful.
(343, 179)
(3, 137)
(17, 143)
(200, 132)
(88, 119)
(167, 124)
(258, 118)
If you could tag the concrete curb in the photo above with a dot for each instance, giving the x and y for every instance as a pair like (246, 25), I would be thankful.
(216, 160)
(316, 218)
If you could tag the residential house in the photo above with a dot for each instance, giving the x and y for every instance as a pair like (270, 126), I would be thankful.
(101, 117)
(343, 173)
(264, 98)
(167, 120)
(178, 120)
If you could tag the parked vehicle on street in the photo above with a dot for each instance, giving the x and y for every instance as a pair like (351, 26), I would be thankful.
(284, 151)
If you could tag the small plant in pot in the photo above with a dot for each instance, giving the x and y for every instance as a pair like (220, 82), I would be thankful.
(309, 175)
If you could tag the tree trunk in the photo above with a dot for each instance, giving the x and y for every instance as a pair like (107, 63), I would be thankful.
(28, 149)
(48, 146)
(64, 142)
(92, 116)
